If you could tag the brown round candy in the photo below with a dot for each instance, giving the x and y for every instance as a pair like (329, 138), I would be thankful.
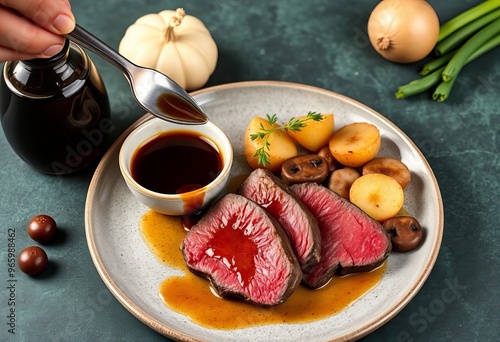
(42, 228)
(32, 260)
(405, 232)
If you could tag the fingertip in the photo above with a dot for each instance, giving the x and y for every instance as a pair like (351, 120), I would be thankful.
(64, 23)
(52, 50)
(12, 55)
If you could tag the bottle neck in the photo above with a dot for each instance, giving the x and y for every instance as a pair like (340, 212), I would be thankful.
(63, 74)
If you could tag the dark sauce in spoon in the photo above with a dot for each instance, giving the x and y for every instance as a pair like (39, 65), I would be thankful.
(179, 109)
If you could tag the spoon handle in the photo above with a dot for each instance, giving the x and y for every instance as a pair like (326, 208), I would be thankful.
(149, 87)
(87, 40)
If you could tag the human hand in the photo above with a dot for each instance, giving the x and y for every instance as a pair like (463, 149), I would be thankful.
(33, 28)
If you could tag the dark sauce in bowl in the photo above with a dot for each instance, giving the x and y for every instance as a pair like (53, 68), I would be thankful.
(176, 162)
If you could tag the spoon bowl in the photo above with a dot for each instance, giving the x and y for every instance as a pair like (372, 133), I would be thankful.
(155, 92)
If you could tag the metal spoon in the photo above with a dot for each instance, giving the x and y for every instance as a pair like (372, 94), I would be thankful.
(154, 91)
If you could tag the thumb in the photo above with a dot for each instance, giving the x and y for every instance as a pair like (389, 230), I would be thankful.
(53, 15)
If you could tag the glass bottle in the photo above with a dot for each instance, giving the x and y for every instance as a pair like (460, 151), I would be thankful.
(55, 112)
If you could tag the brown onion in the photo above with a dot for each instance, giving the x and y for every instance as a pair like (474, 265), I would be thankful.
(403, 31)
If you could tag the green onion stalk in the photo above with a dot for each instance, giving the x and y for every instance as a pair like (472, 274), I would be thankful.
(455, 39)
(420, 85)
(442, 92)
(461, 40)
(462, 55)
(436, 63)
(466, 17)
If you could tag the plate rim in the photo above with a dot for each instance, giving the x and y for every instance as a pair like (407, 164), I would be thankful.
(173, 333)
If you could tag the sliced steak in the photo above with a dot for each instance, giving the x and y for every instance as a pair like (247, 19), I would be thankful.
(243, 251)
(275, 197)
(351, 240)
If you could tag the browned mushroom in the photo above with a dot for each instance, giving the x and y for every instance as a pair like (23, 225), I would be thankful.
(405, 232)
(341, 180)
(304, 168)
(327, 155)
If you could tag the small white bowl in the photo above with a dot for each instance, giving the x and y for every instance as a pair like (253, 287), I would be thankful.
(175, 204)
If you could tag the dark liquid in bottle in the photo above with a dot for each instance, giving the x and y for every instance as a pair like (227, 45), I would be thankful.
(176, 162)
(56, 124)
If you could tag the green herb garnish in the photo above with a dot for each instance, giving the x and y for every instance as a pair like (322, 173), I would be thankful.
(293, 125)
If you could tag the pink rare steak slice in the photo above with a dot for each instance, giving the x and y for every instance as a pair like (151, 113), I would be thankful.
(301, 227)
(351, 240)
(243, 251)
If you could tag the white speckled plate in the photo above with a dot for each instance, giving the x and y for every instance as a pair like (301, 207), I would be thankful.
(133, 274)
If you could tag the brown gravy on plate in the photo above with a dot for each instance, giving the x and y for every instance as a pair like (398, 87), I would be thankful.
(191, 295)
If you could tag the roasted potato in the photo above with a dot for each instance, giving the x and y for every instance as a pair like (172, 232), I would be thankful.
(316, 134)
(355, 144)
(281, 145)
(378, 195)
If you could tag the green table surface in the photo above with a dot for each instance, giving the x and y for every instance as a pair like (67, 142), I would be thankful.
(321, 43)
